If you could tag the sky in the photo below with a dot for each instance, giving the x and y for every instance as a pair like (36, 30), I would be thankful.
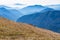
(28, 2)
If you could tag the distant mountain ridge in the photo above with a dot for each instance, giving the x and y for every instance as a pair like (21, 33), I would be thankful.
(55, 7)
(48, 19)
(13, 14)
(32, 9)
(10, 14)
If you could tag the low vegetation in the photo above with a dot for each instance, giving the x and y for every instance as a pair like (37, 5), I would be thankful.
(20, 31)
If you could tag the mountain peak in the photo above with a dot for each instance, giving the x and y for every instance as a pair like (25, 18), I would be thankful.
(32, 9)
(36, 6)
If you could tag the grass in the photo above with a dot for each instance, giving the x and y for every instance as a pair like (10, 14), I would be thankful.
(20, 31)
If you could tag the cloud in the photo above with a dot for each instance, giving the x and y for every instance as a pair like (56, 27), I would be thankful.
(29, 2)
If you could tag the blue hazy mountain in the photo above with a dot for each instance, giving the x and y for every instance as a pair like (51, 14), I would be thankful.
(4, 6)
(13, 14)
(18, 4)
(56, 6)
(10, 14)
(32, 9)
(47, 18)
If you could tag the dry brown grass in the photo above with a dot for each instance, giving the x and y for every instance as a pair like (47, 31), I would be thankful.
(20, 31)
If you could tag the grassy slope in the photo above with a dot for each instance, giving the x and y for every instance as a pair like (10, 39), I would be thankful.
(19, 31)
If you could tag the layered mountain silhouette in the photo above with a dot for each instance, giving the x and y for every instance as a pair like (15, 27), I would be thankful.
(32, 9)
(13, 14)
(55, 7)
(47, 18)
(10, 14)
(10, 30)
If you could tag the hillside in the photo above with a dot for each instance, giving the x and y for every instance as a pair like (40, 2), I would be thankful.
(20, 31)
(47, 19)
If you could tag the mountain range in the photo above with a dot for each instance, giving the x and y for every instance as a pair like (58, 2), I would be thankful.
(37, 15)
(11, 14)
(47, 19)
(32, 9)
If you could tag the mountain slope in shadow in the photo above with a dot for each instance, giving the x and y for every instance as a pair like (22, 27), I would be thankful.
(20, 31)
(48, 19)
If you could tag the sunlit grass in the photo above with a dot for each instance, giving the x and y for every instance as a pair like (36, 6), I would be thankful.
(21, 31)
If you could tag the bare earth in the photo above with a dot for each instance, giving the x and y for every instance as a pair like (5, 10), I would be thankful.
(20, 31)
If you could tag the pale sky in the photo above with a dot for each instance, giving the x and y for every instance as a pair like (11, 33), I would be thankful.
(29, 2)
